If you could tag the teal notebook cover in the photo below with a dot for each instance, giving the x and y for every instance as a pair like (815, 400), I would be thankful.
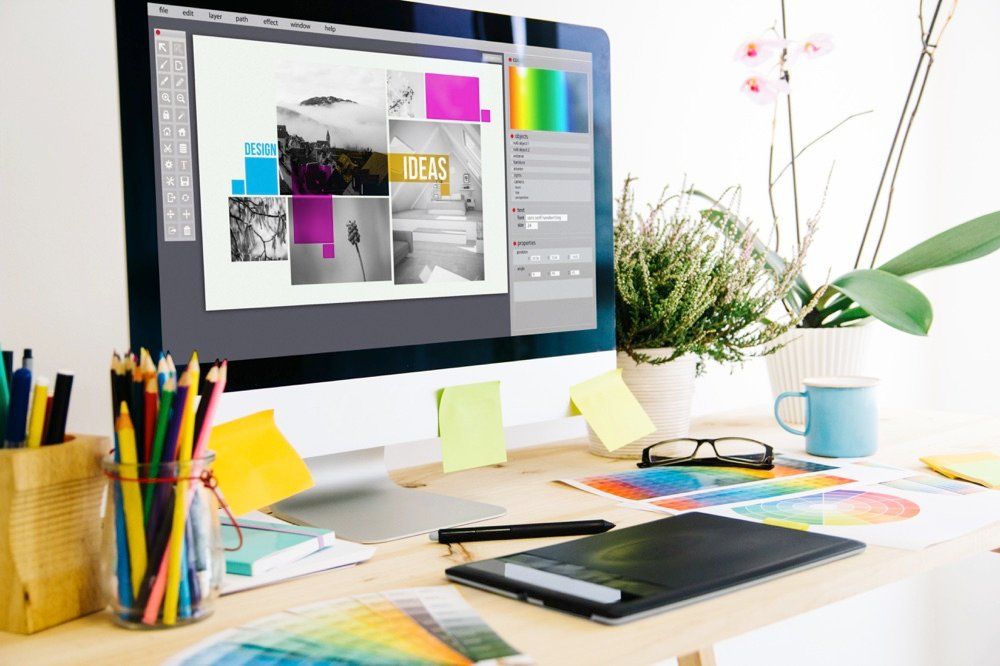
(269, 545)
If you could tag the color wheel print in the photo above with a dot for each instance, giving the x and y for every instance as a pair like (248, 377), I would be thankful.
(836, 507)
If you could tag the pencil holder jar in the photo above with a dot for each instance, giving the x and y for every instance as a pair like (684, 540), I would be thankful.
(163, 560)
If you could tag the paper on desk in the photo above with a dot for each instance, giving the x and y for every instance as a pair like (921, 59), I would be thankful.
(340, 554)
(255, 464)
(470, 423)
(611, 410)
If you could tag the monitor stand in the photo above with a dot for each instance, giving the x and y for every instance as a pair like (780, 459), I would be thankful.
(355, 497)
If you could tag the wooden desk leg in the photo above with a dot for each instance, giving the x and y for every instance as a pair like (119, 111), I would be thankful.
(703, 657)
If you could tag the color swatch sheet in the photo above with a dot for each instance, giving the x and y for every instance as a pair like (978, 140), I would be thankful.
(899, 513)
(548, 100)
(748, 493)
(661, 482)
(430, 625)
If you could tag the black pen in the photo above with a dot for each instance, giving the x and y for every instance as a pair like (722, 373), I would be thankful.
(527, 531)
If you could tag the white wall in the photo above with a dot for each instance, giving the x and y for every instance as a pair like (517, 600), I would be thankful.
(676, 114)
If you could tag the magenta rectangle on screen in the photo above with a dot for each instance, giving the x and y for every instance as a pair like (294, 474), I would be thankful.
(452, 97)
(328, 252)
(312, 219)
(484, 115)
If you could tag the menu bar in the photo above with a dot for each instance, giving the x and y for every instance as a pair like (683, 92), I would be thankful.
(302, 25)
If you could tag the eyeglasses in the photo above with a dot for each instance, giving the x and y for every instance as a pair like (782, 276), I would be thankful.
(718, 452)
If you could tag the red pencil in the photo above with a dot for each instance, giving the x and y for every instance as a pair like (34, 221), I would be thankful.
(149, 416)
(48, 416)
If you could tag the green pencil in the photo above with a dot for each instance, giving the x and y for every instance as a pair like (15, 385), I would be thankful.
(4, 396)
(162, 421)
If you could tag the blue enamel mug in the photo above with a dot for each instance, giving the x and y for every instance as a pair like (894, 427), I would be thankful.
(841, 416)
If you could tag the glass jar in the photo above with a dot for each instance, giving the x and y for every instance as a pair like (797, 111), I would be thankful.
(162, 563)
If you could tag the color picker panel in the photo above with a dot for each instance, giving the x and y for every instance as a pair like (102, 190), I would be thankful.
(754, 492)
(644, 484)
(834, 507)
(548, 100)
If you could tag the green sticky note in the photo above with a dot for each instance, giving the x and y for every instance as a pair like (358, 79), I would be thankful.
(471, 426)
(611, 410)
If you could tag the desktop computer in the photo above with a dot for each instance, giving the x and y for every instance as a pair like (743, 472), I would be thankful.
(358, 204)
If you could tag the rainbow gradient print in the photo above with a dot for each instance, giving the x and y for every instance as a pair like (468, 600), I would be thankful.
(548, 100)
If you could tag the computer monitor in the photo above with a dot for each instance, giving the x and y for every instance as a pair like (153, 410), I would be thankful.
(358, 204)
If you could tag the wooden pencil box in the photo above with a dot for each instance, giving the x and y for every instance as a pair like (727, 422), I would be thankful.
(50, 533)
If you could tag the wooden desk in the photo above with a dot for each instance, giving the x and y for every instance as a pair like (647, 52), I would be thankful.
(524, 485)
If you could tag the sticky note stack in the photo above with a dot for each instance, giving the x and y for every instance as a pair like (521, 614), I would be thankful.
(982, 467)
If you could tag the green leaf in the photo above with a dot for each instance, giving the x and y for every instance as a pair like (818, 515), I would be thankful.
(888, 298)
(965, 242)
(852, 314)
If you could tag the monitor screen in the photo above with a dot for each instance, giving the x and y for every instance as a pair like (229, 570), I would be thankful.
(322, 187)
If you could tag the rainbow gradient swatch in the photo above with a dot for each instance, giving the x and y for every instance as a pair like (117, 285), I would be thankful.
(429, 625)
(548, 100)
(653, 482)
(937, 485)
(757, 491)
(834, 507)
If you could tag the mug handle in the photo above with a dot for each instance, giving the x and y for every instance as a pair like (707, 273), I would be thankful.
(777, 403)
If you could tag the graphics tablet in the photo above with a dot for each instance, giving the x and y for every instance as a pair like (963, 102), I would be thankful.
(627, 574)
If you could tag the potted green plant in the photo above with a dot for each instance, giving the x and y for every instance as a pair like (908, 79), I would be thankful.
(687, 290)
(831, 337)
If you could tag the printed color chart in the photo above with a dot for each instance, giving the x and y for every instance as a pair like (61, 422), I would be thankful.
(754, 492)
(835, 507)
(430, 625)
(548, 100)
(653, 482)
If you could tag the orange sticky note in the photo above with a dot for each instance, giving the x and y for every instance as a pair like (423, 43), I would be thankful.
(611, 410)
(255, 464)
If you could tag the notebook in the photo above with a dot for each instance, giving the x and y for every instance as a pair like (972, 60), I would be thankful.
(629, 573)
(268, 545)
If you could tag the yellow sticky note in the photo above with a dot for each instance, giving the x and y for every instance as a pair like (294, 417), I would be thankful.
(255, 464)
(471, 426)
(982, 467)
(611, 410)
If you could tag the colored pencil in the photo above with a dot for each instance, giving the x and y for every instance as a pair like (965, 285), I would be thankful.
(162, 372)
(48, 419)
(156, 454)
(8, 366)
(122, 569)
(36, 420)
(134, 526)
(150, 403)
(176, 547)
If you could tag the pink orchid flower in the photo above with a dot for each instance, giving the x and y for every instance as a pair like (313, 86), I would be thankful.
(764, 91)
(816, 46)
(756, 51)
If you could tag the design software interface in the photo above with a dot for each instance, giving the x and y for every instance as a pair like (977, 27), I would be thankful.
(328, 188)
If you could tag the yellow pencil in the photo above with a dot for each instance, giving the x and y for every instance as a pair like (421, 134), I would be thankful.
(131, 497)
(36, 421)
(184, 449)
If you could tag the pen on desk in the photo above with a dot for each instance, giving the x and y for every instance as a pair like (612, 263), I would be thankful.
(526, 531)
(20, 396)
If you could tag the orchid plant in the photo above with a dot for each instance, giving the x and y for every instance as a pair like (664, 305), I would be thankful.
(876, 290)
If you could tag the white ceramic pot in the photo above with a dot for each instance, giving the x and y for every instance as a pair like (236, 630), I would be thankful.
(664, 391)
(815, 352)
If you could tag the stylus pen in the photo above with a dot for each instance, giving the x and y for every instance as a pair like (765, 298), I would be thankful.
(528, 531)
